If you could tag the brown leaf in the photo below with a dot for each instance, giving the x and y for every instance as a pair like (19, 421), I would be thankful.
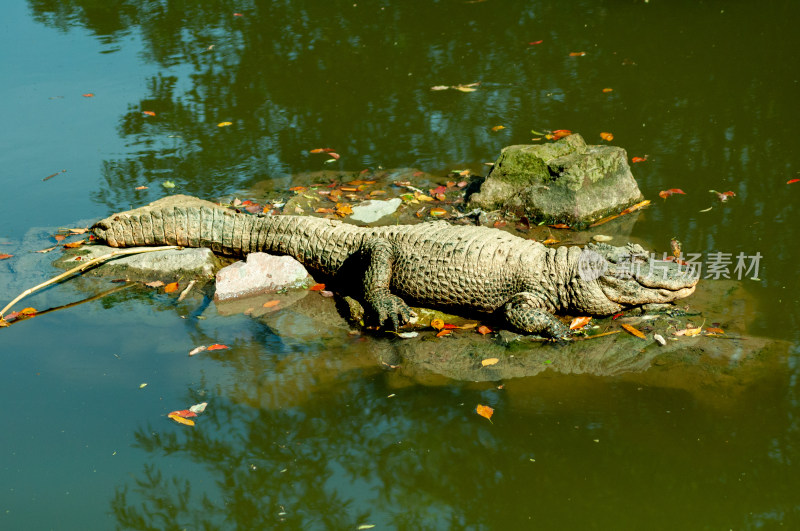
(154, 284)
(73, 245)
(633, 331)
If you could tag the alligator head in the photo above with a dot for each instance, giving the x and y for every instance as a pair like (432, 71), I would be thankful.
(608, 279)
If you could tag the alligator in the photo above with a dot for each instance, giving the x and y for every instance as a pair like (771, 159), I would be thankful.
(462, 269)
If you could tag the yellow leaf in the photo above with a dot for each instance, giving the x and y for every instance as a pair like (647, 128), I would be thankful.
(633, 331)
(438, 324)
(608, 137)
(343, 209)
(485, 411)
(181, 420)
(550, 241)
(489, 361)
(422, 197)
(715, 331)
(438, 212)
(498, 128)
(693, 331)
(224, 124)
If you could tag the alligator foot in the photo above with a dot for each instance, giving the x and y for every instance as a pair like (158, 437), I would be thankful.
(524, 314)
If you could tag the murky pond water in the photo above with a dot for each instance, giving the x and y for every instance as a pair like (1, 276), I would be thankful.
(306, 427)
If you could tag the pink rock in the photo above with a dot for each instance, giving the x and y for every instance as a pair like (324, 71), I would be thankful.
(261, 273)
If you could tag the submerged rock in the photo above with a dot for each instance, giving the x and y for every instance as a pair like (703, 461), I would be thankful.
(566, 181)
(372, 210)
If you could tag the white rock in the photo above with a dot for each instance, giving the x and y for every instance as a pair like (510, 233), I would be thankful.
(372, 210)
(261, 273)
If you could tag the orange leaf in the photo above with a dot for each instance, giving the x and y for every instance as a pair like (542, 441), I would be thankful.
(666, 193)
(534, 43)
(149, 113)
(608, 137)
(317, 287)
(550, 241)
(579, 322)
(715, 330)
(484, 411)
(4, 256)
(217, 346)
(639, 159)
(321, 150)
(73, 245)
(577, 54)
(322, 210)
(444, 332)
(498, 128)
(633, 331)
(438, 212)
(88, 95)
(169, 288)
(607, 90)
(790, 181)
(140, 188)
(183, 413)
(334, 155)
(560, 133)
(559, 226)
(270, 304)
(636, 207)
(297, 189)
(181, 420)
(438, 324)
(483, 330)
(343, 209)
(489, 361)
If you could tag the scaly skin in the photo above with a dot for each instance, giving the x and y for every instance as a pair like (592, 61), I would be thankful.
(460, 268)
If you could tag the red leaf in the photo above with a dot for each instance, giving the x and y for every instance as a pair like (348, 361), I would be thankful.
(534, 43)
(321, 150)
(792, 181)
(149, 113)
(183, 413)
(217, 346)
(639, 159)
(4, 256)
(483, 330)
(666, 193)
(317, 287)
(333, 155)
(88, 95)
(616, 315)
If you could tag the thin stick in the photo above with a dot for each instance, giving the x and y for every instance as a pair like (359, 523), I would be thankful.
(82, 267)
(596, 335)
(76, 303)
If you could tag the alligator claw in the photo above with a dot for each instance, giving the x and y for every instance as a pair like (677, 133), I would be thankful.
(392, 311)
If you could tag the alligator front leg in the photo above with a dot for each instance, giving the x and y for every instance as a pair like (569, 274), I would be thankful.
(387, 308)
(523, 311)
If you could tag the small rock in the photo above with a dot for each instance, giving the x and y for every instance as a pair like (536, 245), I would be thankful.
(261, 273)
(372, 210)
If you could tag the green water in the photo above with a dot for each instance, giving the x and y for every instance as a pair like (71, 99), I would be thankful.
(309, 431)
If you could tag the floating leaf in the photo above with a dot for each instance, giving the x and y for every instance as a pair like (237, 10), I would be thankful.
(149, 113)
(633, 331)
(666, 193)
(438, 212)
(224, 124)
(317, 287)
(559, 133)
(723, 196)
(343, 209)
(440, 87)
(271, 304)
(485, 412)
(141, 188)
(4, 256)
(608, 137)
(333, 155)
(577, 54)
(466, 88)
(579, 322)
(217, 346)
(489, 361)
(88, 95)
(550, 241)
(169, 288)
(792, 181)
(689, 332)
(183, 413)
(168, 184)
(199, 408)
(181, 420)
(498, 128)
(142, 385)
(483, 330)
(639, 159)
(607, 90)
(74, 245)
(39, 251)
(154, 284)
(534, 43)
(712, 330)
(197, 350)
